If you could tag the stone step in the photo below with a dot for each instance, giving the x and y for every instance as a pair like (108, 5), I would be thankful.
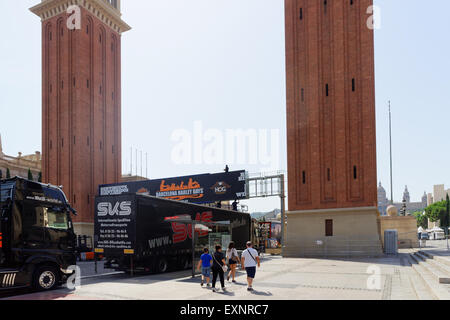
(435, 269)
(438, 263)
(421, 288)
(442, 259)
(423, 271)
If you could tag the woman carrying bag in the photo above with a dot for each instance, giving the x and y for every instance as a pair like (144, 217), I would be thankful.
(219, 267)
(233, 260)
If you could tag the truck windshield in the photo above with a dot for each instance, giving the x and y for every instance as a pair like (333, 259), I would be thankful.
(45, 216)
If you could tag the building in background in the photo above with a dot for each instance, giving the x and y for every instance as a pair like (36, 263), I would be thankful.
(19, 166)
(81, 99)
(383, 201)
(331, 132)
(440, 193)
(411, 207)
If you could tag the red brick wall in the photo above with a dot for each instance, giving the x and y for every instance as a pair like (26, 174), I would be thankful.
(81, 128)
(330, 137)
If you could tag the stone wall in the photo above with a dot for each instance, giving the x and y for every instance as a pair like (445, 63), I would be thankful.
(406, 228)
(355, 233)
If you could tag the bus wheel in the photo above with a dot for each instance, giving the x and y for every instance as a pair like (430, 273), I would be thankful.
(45, 278)
(162, 265)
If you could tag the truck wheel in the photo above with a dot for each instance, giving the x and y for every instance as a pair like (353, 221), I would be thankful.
(45, 278)
(162, 265)
(186, 263)
(183, 263)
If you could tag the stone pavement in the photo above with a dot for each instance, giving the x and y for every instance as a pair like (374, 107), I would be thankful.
(278, 278)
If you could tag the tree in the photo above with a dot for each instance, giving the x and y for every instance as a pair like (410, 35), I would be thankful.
(8, 174)
(422, 220)
(436, 211)
(446, 215)
(40, 177)
(30, 175)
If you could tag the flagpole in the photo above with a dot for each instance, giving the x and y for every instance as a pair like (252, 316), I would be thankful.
(390, 146)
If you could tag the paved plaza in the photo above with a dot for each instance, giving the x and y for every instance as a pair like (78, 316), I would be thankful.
(278, 278)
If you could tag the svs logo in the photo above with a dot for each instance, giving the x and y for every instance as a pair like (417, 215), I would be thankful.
(118, 209)
(182, 231)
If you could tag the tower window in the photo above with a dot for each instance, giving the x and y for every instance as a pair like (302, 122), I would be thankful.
(353, 84)
(328, 174)
(326, 90)
(355, 173)
(303, 94)
(329, 228)
(301, 13)
(304, 177)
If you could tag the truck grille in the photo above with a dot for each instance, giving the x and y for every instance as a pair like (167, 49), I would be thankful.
(8, 279)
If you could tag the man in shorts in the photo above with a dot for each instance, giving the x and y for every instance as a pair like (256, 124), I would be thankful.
(249, 260)
(205, 263)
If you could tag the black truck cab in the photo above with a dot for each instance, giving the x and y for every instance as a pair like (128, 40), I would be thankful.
(37, 241)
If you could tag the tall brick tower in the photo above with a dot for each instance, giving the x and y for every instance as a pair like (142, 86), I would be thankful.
(332, 178)
(81, 99)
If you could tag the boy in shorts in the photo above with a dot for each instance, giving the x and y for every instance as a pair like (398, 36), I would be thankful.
(205, 264)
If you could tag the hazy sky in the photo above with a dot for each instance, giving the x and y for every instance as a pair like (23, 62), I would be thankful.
(223, 63)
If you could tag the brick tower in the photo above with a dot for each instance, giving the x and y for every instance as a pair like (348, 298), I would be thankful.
(81, 99)
(332, 178)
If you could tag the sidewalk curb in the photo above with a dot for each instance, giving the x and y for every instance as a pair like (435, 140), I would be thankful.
(101, 275)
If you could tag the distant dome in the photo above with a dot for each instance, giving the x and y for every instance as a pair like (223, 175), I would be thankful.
(392, 211)
(381, 188)
(279, 216)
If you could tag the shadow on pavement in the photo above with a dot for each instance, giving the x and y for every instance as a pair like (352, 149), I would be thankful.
(261, 293)
(49, 295)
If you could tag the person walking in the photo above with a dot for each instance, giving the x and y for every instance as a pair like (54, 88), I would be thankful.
(249, 260)
(233, 259)
(218, 268)
(205, 264)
